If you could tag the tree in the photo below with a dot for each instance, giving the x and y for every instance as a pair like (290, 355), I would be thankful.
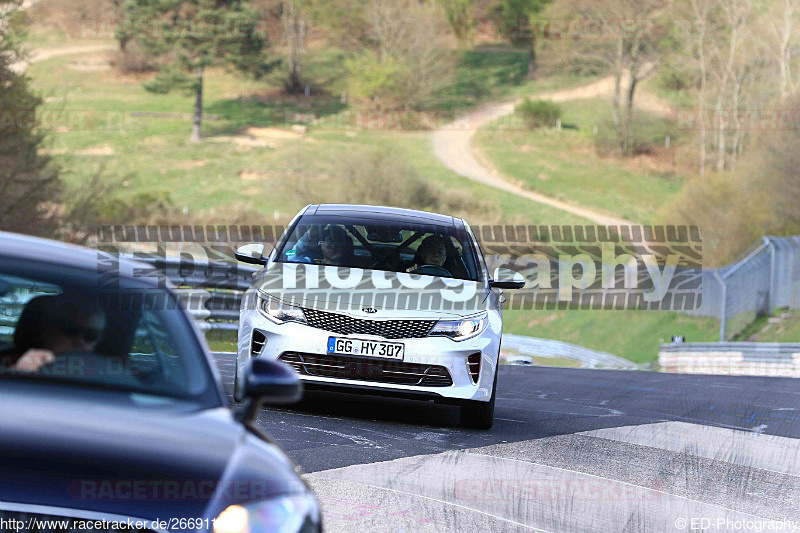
(731, 72)
(773, 166)
(294, 23)
(460, 16)
(514, 18)
(696, 35)
(760, 197)
(406, 63)
(29, 183)
(189, 36)
(630, 48)
(783, 25)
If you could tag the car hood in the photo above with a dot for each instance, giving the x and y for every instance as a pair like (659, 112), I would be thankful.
(130, 455)
(353, 290)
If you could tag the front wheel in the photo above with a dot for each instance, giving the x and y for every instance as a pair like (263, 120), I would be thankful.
(480, 415)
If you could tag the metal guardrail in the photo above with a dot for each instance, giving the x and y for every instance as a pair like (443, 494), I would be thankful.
(210, 290)
(739, 358)
(754, 349)
(551, 348)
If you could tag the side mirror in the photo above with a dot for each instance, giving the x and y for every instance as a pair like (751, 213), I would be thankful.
(251, 253)
(267, 382)
(505, 278)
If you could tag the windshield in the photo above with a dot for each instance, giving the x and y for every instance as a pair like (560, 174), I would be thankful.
(380, 245)
(69, 327)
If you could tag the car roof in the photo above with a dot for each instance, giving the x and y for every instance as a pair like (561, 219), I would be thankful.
(377, 212)
(38, 250)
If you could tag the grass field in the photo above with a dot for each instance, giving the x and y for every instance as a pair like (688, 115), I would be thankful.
(787, 331)
(634, 335)
(221, 341)
(267, 171)
(761, 329)
(564, 164)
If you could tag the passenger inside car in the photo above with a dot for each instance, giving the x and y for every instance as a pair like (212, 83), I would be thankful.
(331, 246)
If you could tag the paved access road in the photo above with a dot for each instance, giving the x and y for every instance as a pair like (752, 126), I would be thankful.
(571, 450)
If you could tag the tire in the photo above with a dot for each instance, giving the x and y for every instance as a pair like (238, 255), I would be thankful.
(480, 415)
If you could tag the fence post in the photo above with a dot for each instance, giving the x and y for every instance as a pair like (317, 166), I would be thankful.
(723, 307)
(771, 293)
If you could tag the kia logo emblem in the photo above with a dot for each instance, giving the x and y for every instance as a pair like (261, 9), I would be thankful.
(370, 310)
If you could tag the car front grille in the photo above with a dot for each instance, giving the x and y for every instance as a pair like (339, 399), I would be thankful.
(378, 370)
(20, 522)
(389, 329)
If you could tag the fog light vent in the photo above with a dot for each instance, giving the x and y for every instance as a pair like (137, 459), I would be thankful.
(257, 343)
(474, 366)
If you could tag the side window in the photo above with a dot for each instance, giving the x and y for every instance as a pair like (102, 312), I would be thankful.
(151, 350)
(302, 244)
(482, 268)
(15, 293)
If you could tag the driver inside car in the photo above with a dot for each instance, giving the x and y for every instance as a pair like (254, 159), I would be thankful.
(56, 325)
(432, 251)
(337, 248)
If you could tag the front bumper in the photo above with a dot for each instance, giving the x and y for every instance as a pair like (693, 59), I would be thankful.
(443, 352)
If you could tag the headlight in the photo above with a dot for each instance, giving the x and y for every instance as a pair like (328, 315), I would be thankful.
(290, 514)
(460, 329)
(279, 311)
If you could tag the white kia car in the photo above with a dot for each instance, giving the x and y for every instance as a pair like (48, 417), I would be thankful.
(379, 300)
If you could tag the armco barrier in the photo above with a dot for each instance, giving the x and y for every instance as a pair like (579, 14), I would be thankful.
(210, 290)
(731, 358)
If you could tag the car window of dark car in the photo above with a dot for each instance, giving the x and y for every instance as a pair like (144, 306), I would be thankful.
(146, 344)
(16, 293)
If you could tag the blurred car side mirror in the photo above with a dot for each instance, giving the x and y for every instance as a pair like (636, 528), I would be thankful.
(505, 278)
(251, 253)
(267, 382)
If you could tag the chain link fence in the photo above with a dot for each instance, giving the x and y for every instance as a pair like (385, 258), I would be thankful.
(766, 278)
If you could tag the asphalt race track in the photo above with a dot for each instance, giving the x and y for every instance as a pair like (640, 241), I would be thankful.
(571, 450)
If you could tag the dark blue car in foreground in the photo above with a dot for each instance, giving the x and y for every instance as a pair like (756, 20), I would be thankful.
(112, 415)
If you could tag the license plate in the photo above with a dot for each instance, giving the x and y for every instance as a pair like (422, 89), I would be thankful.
(366, 348)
